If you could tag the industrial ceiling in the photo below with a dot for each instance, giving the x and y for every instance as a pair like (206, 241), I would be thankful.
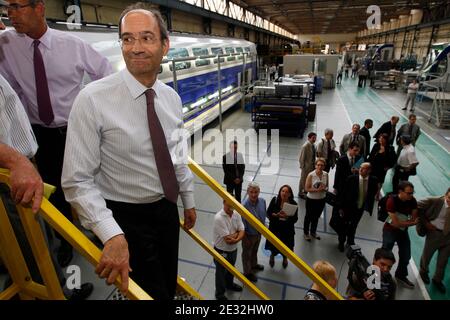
(322, 16)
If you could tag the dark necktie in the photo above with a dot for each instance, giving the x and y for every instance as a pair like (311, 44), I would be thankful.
(235, 165)
(163, 160)
(328, 149)
(42, 92)
(354, 138)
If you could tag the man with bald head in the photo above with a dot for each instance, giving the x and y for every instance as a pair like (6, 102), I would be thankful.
(125, 163)
(357, 196)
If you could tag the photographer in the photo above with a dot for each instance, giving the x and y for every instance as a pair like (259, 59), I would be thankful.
(358, 276)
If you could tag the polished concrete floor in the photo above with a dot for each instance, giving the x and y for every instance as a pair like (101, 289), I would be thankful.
(337, 109)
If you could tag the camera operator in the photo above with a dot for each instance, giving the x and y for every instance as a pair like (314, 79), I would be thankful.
(357, 288)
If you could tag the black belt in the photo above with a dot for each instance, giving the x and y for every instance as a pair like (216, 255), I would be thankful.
(222, 251)
(62, 130)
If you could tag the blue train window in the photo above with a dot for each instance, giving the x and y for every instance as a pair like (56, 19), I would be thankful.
(247, 49)
(231, 58)
(240, 57)
(178, 53)
(221, 60)
(217, 50)
(201, 52)
(229, 50)
(239, 50)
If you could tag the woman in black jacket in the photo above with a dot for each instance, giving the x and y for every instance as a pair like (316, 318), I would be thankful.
(382, 158)
(280, 224)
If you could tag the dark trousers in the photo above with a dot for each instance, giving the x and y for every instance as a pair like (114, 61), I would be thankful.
(22, 239)
(339, 78)
(390, 237)
(436, 241)
(250, 245)
(361, 81)
(236, 190)
(49, 160)
(350, 224)
(224, 278)
(399, 175)
(314, 209)
(152, 232)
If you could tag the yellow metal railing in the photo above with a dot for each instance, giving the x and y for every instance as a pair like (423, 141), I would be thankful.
(299, 263)
(17, 267)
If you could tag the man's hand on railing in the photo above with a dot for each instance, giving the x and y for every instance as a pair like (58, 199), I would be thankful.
(115, 261)
(26, 184)
(189, 218)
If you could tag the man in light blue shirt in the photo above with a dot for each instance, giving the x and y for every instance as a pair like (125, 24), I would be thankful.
(252, 238)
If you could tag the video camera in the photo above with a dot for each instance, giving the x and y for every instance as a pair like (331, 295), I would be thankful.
(358, 274)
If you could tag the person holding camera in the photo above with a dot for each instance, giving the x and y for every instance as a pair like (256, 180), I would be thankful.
(357, 289)
(403, 213)
(316, 186)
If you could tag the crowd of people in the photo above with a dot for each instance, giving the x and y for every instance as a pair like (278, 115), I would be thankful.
(360, 173)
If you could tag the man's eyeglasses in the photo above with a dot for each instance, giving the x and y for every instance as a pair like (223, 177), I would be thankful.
(16, 6)
(145, 40)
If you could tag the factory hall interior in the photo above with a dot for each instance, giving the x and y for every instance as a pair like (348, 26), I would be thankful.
(224, 150)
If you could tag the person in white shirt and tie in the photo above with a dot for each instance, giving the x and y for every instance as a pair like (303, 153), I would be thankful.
(357, 196)
(124, 165)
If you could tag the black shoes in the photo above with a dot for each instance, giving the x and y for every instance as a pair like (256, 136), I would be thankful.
(404, 108)
(83, 293)
(272, 261)
(440, 286)
(64, 255)
(221, 298)
(404, 281)
(425, 277)
(235, 287)
(251, 277)
(258, 267)
(285, 263)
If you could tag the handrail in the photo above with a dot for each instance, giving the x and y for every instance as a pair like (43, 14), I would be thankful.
(74, 236)
(205, 245)
(261, 228)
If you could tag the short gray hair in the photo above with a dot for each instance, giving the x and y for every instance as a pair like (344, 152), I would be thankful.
(253, 185)
(328, 130)
(164, 34)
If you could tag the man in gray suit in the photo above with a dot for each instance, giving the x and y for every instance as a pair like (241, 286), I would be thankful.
(353, 136)
(307, 159)
(408, 129)
(434, 213)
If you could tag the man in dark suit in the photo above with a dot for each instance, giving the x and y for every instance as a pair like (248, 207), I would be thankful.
(344, 167)
(233, 168)
(357, 196)
(368, 124)
(389, 129)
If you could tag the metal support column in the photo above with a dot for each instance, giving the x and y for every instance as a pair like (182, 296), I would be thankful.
(220, 92)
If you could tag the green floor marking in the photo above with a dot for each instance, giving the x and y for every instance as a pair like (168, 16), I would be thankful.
(433, 172)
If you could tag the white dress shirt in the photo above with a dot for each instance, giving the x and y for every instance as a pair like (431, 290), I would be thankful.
(407, 156)
(225, 225)
(109, 152)
(15, 129)
(439, 222)
(66, 59)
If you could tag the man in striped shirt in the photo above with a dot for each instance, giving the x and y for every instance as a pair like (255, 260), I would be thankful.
(17, 146)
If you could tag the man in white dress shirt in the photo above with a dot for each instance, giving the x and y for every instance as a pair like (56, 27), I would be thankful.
(406, 162)
(228, 231)
(123, 169)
